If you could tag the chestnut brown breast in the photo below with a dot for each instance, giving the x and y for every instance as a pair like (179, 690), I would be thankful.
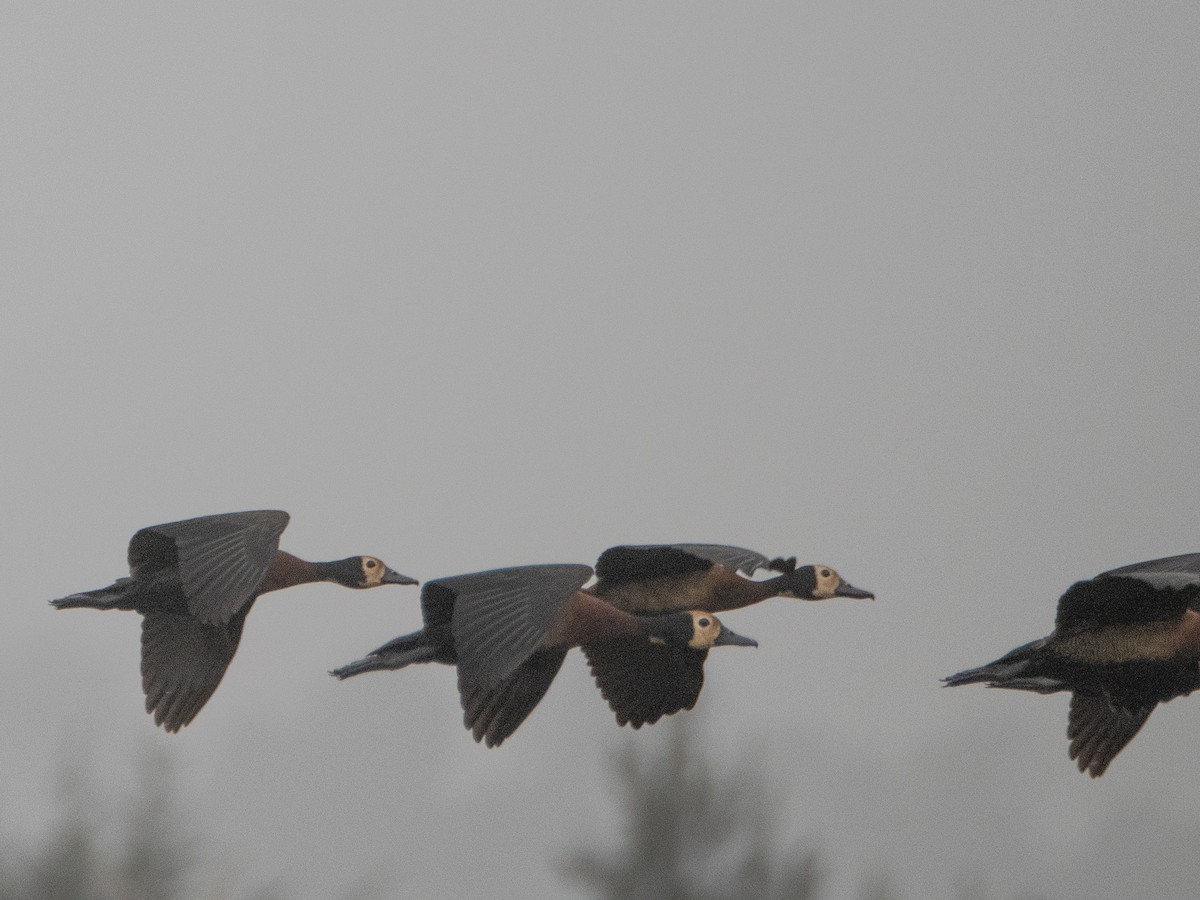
(588, 618)
(287, 571)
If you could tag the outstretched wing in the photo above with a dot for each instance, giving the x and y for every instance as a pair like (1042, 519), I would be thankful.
(643, 681)
(494, 714)
(502, 616)
(222, 559)
(1098, 730)
(183, 661)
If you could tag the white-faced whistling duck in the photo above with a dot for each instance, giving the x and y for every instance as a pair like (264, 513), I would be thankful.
(508, 631)
(194, 583)
(667, 577)
(1122, 643)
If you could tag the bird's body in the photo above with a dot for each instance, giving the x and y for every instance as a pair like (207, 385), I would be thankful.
(1123, 642)
(659, 578)
(194, 582)
(509, 630)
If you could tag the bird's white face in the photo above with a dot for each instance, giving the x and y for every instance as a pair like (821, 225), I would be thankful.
(373, 571)
(706, 628)
(828, 581)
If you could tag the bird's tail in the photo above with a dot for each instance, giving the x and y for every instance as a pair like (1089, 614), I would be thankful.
(110, 597)
(1018, 669)
(395, 654)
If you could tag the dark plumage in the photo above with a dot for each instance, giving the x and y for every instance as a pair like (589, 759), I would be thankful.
(1123, 642)
(509, 630)
(194, 582)
(667, 577)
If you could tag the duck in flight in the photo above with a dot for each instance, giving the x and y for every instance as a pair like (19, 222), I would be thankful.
(639, 579)
(194, 582)
(1123, 642)
(656, 578)
(509, 630)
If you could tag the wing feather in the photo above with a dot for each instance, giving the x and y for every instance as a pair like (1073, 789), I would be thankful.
(1178, 572)
(183, 662)
(494, 714)
(646, 562)
(642, 681)
(222, 559)
(502, 616)
(1099, 730)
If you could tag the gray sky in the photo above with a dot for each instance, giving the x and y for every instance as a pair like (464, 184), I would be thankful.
(910, 290)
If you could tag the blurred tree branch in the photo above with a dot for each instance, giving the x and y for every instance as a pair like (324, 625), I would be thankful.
(693, 834)
(148, 850)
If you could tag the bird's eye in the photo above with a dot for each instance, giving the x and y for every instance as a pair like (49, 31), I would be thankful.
(825, 573)
(370, 563)
(704, 623)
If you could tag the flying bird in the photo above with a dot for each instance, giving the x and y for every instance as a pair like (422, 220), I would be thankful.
(194, 583)
(1123, 642)
(667, 577)
(509, 630)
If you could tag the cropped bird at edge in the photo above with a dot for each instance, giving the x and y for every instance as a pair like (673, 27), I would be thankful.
(1123, 642)
(194, 582)
(509, 630)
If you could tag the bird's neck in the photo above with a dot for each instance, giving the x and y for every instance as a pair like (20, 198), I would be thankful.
(287, 571)
(733, 592)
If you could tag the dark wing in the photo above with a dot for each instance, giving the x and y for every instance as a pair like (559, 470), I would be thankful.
(1178, 572)
(643, 682)
(183, 661)
(1121, 600)
(1098, 730)
(493, 715)
(222, 559)
(739, 559)
(618, 565)
(503, 615)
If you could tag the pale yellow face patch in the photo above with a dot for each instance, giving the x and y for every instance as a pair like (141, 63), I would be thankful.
(828, 581)
(706, 628)
(373, 571)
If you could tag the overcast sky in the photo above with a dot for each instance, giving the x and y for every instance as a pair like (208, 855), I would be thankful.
(912, 290)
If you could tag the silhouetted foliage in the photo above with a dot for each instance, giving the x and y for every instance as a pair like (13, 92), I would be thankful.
(146, 851)
(693, 834)
(143, 855)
